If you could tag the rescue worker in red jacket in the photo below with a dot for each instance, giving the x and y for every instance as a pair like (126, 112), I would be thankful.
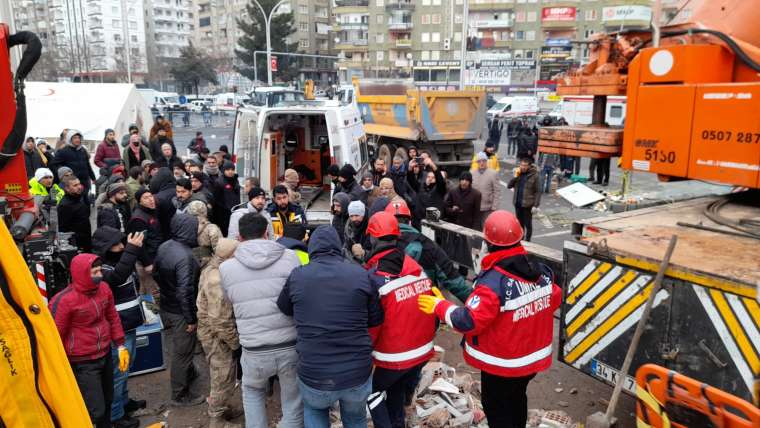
(507, 321)
(88, 324)
(403, 343)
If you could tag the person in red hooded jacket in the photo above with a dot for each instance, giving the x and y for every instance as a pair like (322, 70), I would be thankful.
(403, 343)
(507, 321)
(88, 323)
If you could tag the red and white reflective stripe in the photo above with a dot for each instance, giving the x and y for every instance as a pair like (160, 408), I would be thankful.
(511, 363)
(404, 356)
(447, 317)
(400, 282)
(41, 283)
(514, 304)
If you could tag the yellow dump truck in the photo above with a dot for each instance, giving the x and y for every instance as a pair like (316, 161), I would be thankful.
(397, 116)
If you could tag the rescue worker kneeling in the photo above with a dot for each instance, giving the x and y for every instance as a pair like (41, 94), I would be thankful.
(507, 321)
(403, 343)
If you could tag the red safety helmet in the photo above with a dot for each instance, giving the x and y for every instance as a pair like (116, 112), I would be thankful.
(399, 208)
(383, 224)
(502, 228)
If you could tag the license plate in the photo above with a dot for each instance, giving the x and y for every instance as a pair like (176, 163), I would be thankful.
(607, 373)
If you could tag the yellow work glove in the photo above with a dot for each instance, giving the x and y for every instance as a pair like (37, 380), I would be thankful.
(427, 303)
(123, 359)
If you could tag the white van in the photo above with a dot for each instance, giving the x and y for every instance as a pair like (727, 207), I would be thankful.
(307, 136)
(576, 110)
(514, 106)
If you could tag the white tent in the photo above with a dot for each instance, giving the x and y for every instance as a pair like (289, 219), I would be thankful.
(90, 108)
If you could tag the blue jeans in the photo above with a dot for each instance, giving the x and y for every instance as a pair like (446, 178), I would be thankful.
(120, 390)
(353, 405)
(546, 178)
(258, 367)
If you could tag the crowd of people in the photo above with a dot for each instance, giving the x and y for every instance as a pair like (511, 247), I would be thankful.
(345, 312)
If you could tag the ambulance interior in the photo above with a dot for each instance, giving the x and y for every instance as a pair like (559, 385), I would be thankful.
(300, 142)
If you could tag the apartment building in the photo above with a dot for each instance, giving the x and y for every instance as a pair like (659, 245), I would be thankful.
(423, 38)
(217, 33)
(87, 39)
(169, 26)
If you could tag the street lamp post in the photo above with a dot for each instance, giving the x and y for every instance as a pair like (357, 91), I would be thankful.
(463, 55)
(268, 21)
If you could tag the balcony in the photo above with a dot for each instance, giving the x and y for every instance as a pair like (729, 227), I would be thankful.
(355, 45)
(490, 23)
(352, 64)
(404, 43)
(490, 6)
(399, 5)
(400, 26)
(340, 26)
(350, 6)
(341, 3)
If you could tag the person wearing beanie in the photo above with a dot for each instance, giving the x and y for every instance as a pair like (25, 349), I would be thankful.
(107, 153)
(348, 183)
(462, 203)
(114, 211)
(103, 188)
(333, 171)
(64, 172)
(144, 220)
(486, 181)
(366, 187)
(294, 238)
(133, 130)
(290, 180)
(226, 196)
(41, 186)
(257, 202)
(200, 192)
(74, 213)
(75, 156)
(356, 242)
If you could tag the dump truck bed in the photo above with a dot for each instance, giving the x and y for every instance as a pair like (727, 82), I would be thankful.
(407, 113)
(706, 320)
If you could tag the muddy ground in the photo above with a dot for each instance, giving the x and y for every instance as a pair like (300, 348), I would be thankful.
(590, 395)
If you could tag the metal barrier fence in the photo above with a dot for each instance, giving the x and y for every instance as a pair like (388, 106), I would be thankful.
(192, 119)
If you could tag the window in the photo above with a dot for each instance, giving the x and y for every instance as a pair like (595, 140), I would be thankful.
(117, 37)
(531, 17)
(303, 44)
(425, 19)
(380, 55)
(132, 25)
(458, 36)
(379, 19)
(616, 112)
(591, 15)
(115, 10)
(303, 9)
(520, 17)
(425, 38)
(435, 18)
(528, 54)
(426, 2)
(379, 38)
(425, 55)
(380, 3)
(204, 22)
(116, 23)
(458, 18)
(518, 53)
(133, 39)
(530, 35)
(303, 26)
(588, 33)
(435, 55)
(457, 55)
(435, 37)
(520, 35)
(436, 2)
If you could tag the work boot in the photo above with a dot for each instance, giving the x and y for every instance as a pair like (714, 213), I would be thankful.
(187, 401)
(134, 405)
(232, 413)
(126, 422)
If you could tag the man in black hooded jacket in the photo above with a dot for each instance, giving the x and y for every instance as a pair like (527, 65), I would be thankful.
(119, 273)
(164, 188)
(176, 271)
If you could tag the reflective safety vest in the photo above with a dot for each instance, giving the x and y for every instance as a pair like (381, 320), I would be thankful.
(37, 189)
(405, 339)
(493, 163)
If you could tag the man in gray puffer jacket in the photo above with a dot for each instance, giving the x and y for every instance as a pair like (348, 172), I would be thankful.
(252, 280)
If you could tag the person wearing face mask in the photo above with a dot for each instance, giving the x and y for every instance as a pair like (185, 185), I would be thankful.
(87, 321)
(119, 273)
(135, 153)
(257, 201)
(133, 130)
(107, 153)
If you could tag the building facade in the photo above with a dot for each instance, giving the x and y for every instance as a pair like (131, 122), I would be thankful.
(423, 38)
(96, 40)
(169, 26)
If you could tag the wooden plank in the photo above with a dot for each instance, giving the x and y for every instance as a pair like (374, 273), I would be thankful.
(583, 134)
(579, 146)
(573, 152)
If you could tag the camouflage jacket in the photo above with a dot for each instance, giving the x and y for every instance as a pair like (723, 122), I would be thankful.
(216, 320)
